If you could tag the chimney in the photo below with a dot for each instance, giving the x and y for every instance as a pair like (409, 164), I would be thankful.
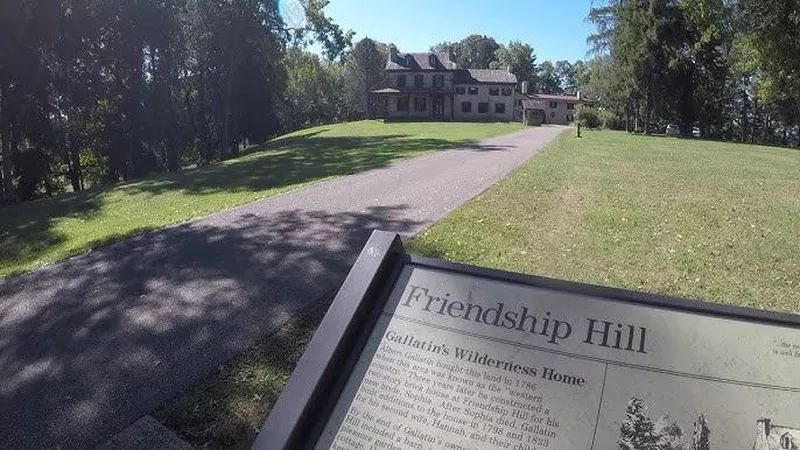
(578, 94)
(524, 87)
(508, 69)
(392, 52)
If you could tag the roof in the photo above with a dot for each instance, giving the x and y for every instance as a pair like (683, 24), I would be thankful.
(411, 90)
(420, 61)
(563, 98)
(538, 100)
(476, 76)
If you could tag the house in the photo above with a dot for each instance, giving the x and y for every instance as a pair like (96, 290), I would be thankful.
(776, 437)
(429, 86)
(535, 109)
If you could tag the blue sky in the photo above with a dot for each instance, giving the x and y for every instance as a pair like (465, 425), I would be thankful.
(556, 29)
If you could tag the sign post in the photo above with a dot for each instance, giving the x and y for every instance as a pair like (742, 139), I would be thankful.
(420, 353)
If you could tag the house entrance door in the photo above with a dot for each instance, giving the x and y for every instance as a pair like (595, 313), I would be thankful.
(438, 106)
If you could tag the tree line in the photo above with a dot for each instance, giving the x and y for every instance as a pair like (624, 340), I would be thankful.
(98, 92)
(101, 92)
(484, 52)
(728, 67)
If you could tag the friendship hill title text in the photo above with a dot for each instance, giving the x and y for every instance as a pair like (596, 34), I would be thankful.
(598, 332)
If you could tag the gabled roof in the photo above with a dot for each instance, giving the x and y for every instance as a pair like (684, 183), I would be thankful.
(420, 61)
(476, 76)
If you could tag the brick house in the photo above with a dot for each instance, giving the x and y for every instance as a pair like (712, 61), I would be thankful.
(776, 437)
(429, 86)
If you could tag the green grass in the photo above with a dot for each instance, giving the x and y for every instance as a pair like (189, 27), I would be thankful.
(40, 232)
(226, 410)
(697, 219)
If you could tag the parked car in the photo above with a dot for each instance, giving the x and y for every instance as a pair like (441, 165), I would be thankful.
(673, 129)
(696, 132)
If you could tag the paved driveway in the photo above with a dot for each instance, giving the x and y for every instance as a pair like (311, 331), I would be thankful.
(90, 344)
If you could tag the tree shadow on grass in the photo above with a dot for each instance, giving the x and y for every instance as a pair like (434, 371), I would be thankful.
(90, 345)
(295, 160)
(26, 231)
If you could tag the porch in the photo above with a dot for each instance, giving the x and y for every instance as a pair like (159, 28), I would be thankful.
(413, 104)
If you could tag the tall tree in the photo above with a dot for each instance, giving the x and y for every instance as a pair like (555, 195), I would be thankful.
(700, 437)
(565, 72)
(548, 80)
(520, 58)
(363, 73)
(473, 52)
(638, 431)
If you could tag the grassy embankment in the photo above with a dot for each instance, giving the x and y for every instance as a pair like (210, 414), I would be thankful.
(47, 230)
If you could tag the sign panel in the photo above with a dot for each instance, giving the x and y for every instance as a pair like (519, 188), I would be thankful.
(457, 360)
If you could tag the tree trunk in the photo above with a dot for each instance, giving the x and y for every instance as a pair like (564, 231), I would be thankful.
(5, 141)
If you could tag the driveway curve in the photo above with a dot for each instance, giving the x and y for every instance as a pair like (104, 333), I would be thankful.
(90, 344)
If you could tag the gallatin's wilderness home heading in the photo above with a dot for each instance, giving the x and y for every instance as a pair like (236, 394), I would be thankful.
(603, 333)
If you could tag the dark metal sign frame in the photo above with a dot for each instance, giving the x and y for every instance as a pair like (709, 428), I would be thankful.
(301, 412)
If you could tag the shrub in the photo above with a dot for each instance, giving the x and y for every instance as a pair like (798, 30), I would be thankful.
(588, 116)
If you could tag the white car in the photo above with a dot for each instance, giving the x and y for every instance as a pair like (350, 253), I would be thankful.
(673, 129)
(696, 132)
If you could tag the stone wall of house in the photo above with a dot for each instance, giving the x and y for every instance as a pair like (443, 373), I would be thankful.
(561, 114)
(427, 79)
(483, 96)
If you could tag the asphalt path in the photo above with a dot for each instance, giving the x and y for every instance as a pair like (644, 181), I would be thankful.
(90, 344)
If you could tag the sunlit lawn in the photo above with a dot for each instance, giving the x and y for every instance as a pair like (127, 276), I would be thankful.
(698, 219)
(706, 220)
(47, 230)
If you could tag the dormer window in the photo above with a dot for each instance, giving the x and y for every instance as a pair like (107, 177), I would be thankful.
(432, 60)
(408, 60)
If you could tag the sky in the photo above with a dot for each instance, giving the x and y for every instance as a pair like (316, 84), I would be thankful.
(556, 29)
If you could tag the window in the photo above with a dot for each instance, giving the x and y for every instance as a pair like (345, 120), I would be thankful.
(418, 80)
(499, 108)
(494, 91)
(402, 103)
(473, 91)
(401, 81)
(553, 105)
(570, 105)
(432, 60)
(466, 107)
(419, 104)
(483, 108)
(438, 80)
(507, 92)
(786, 441)
(519, 102)
(408, 60)
(460, 91)
(569, 118)
(552, 114)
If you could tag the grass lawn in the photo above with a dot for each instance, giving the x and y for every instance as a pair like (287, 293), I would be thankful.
(698, 219)
(47, 230)
(226, 410)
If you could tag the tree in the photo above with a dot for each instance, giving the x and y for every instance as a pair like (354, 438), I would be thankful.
(638, 432)
(473, 52)
(565, 72)
(363, 73)
(547, 77)
(700, 437)
(520, 58)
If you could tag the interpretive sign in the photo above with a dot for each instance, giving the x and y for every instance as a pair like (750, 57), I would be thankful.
(417, 353)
